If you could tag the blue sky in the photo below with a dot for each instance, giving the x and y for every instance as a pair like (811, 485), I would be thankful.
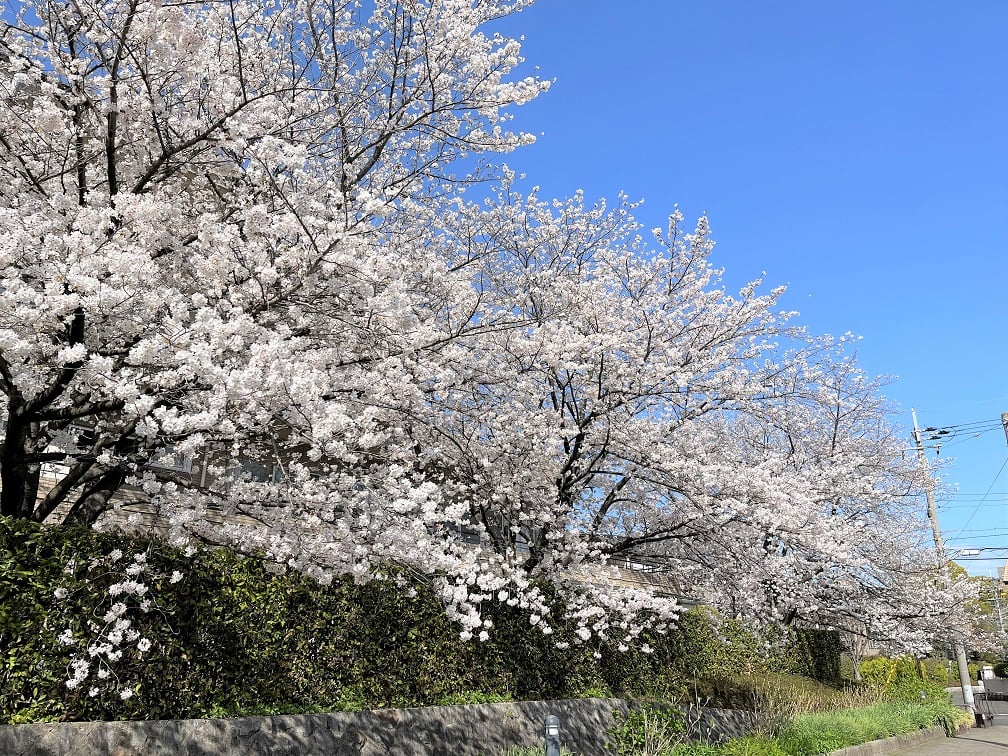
(854, 151)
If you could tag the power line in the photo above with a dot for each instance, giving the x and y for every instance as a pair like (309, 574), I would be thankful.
(956, 441)
(998, 529)
(989, 489)
(950, 434)
(961, 494)
(980, 533)
(971, 500)
(959, 433)
(946, 429)
(958, 508)
(978, 559)
(947, 434)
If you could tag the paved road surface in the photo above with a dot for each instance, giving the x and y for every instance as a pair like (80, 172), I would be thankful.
(987, 741)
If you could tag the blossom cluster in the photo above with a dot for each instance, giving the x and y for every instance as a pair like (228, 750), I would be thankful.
(117, 588)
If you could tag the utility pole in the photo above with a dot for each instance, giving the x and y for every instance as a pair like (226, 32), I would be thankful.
(932, 512)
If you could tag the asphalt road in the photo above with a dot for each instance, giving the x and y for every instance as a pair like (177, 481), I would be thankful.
(986, 741)
(978, 741)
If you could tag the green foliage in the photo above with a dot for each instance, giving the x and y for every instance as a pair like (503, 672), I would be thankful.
(728, 648)
(952, 718)
(829, 731)
(646, 731)
(235, 639)
(901, 679)
(816, 654)
(33, 565)
(536, 750)
(697, 749)
(776, 697)
(879, 671)
(937, 670)
(595, 691)
(754, 745)
(821, 733)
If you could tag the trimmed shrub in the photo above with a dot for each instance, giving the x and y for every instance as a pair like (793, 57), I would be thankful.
(233, 638)
(900, 679)
(816, 654)
(937, 670)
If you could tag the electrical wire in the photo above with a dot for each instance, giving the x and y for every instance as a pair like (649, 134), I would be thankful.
(972, 495)
(967, 505)
(954, 435)
(979, 534)
(989, 489)
(974, 424)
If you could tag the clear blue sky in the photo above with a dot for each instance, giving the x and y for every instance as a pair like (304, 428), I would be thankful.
(855, 151)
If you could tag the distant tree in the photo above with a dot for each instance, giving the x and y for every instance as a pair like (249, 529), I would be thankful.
(986, 610)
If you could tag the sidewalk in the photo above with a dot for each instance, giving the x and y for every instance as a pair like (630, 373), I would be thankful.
(986, 741)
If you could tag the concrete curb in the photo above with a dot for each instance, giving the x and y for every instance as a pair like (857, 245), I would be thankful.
(895, 743)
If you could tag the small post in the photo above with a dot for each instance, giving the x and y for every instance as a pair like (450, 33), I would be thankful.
(552, 725)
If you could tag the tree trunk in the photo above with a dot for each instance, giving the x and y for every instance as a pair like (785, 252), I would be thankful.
(18, 478)
(90, 505)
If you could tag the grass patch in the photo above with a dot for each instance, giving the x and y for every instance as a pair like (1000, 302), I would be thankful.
(829, 731)
(821, 733)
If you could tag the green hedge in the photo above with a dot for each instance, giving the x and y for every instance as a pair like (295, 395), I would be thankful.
(905, 678)
(235, 639)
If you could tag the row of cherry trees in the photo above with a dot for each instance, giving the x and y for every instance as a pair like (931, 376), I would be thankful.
(245, 233)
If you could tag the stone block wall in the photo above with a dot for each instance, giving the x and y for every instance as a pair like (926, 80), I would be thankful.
(476, 730)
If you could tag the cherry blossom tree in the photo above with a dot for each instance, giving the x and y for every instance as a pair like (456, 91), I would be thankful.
(644, 416)
(243, 284)
(191, 191)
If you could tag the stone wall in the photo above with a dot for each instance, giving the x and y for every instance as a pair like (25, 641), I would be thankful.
(483, 729)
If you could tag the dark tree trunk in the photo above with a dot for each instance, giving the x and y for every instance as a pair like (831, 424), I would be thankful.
(94, 500)
(18, 477)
